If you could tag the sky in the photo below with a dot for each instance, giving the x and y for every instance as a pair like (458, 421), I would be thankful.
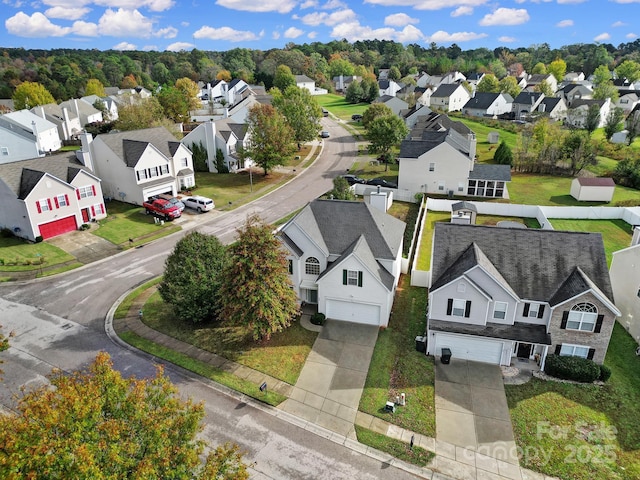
(221, 25)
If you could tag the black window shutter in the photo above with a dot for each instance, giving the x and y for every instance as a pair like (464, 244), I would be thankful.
(563, 323)
(591, 353)
(541, 311)
(525, 311)
(344, 277)
(558, 347)
(449, 306)
(599, 324)
(467, 309)
(360, 278)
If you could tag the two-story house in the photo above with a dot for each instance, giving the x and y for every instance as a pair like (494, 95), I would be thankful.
(45, 132)
(345, 257)
(501, 293)
(450, 97)
(487, 104)
(223, 135)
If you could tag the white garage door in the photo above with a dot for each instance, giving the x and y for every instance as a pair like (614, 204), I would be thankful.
(166, 188)
(353, 312)
(470, 348)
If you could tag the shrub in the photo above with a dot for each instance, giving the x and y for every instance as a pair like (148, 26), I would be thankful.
(572, 368)
(39, 238)
(85, 226)
(605, 373)
(317, 318)
(6, 233)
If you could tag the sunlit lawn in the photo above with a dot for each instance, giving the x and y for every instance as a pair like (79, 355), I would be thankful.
(364, 169)
(19, 255)
(282, 356)
(484, 149)
(338, 106)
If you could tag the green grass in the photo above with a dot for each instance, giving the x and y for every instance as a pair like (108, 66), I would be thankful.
(125, 305)
(125, 221)
(364, 169)
(396, 367)
(601, 422)
(282, 356)
(616, 234)
(398, 449)
(424, 254)
(18, 255)
(338, 106)
(203, 369)
(408, 213)
(484, 149)
(55, 271)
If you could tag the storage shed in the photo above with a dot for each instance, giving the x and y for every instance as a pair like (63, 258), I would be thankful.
(597, 189)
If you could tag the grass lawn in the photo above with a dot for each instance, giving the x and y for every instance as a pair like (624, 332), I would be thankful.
(364, 169)
(397, 367)
(582, 432)
(408, 213)
(484, 149)
(338, 106)
(396, 448)
(17, 255)
(616, 234)
(282, 356)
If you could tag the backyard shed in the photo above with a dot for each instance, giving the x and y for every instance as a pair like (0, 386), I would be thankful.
(598, 189)
(493, 137)
(464, 212)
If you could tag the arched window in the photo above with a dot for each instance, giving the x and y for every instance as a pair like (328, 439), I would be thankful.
(582, 317)
(312, 266)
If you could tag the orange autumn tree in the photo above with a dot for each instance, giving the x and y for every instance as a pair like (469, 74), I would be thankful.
(98, 425)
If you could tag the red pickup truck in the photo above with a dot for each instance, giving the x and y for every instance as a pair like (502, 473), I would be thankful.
(162, 208)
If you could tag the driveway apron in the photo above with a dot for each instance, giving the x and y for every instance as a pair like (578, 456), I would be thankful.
(472, 411)
(330, 385)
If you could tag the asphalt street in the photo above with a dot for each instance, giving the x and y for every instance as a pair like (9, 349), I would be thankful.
(59, 322)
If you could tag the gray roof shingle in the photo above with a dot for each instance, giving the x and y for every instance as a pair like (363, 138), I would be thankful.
(131, 144)
(500, 173)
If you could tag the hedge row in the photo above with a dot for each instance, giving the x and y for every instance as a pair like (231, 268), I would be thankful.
(576, 368)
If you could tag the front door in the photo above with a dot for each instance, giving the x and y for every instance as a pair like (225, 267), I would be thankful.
(312, 296)
(524, 350)
(85, 215)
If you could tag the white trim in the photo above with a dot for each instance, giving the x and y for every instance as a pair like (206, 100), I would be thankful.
(596, 294)
(478, 288)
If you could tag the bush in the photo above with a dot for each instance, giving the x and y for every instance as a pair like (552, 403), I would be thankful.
(572, 368)
(605, 373)
(6, 233)
(318, 318)
(85, 226)
(39, 238)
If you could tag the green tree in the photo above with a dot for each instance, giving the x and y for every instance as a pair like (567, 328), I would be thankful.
(544, 88)
(199, 152)
(613, 122)
(629, 70)
(579, 149)
(592, 120)
(98, 425)
(31, 94)
(342, 190)
(557, 68)
(190, 90)
(283, 78)
(370, 90)
(384, 133)
(192, 277)
(339, 66)
(539, 69)
(633, 127)
(256, 290)
(488, 84)
(606, 90)
(174, 103)
(509, 85)
(270, 137)
(374, 111)
(601, 75)
(394, 73)
(354, 92)
(144, 113)
(94, 87)
(503, 155)
(301, 110)
(221, 167)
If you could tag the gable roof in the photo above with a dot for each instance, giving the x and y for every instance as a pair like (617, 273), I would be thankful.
(586, 102)
(482, 100)
(303, 79)
(527, 97)
(416, 148)
(596, 181)
(550, 103)
(535, 263)
(485, 171)
(445, 90)
(25, 119)
(131, 144)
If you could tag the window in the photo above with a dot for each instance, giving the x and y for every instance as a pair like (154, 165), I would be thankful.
(97, 209)
(352, 277)
(582, 316)
(290, 262)
(569, 350)
(533, 310)
(164, 169)
(440, 185)
(141, 174)
(461, 187)
(184, 162)
(432, 167)
(5, 151)
(500, 310)
(312, 266)
(62, 201)
(84, 192)
(152, 172)
(43, 205)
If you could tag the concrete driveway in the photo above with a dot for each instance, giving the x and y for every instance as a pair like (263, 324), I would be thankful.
(471, 409)
(329, 387)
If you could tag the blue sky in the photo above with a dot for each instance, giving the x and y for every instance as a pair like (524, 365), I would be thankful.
(262, 24)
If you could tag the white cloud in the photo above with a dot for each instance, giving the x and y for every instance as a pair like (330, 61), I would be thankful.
(334, 4)
(445, 37)
(184, 24)
(312, 35)
(428, 4)
(308, 4)
(505, 16)
(564, 23)
(566, 2)
(631, 36)
(150, 48)
(506, 39)
(179, 46)
(399, 20)
(602, 37)
(85, 29)
(280, 6)
(153, 5)
(353, 32)
(293, 32)
(627, 1)
(618, 24)
(460, 11)
(168, 32)
(225, 33)
(66, 13)
(124, 23)
(34, 26)
(329, 19)
(124, 46)
(275, 35)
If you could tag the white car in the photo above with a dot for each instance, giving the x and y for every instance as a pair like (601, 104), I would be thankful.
(201, 204)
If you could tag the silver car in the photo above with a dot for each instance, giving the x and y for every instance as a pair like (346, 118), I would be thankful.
(199, 203)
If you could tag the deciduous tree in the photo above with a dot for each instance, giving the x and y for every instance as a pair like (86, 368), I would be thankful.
(174, 103)
(613, 123)
(629, 70)
(557, 68)
(98, 425)
(384, 133)
(256, 290)
(488, 84)
(509, 85)
(374, 111)
(144, 113)
(94, 87)
(270, 137)
(579, 149)
(190, 90)
(342, 190)
(300, 109)
(545, 88)
(592, 120)
(31, 94)
(283, 78)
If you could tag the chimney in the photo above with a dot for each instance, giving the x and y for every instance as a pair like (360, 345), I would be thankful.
(34, 129)
(84, 155)
(75, 107)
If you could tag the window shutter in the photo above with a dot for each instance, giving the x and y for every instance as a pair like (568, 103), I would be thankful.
(525, 311)
(93, 189)
(78, 193)
(344, 277)
(66, 199)
(563, 323)
(541, 311)
(38, 207)
(93, 211)
(359, 278)
(599, 321)
(467, 309)
(558, 347)
(49, 203)
(55, 199)
(591, 353)
(449, 306)
(102, 209)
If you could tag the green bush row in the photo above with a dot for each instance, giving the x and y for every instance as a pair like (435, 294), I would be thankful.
(576, 368)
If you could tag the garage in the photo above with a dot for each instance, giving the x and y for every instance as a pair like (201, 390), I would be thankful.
(164, 188)
(353, 312)
(58, 227)
(469, 348)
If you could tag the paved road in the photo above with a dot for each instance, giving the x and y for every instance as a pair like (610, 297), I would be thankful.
(60, 322)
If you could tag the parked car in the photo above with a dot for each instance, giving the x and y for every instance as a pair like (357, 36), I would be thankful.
(356, 117)
(199, 203)
(381, 182)
(353, 179)
(171, 199)
(162, 208)
(324, 134)
(325, 112)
